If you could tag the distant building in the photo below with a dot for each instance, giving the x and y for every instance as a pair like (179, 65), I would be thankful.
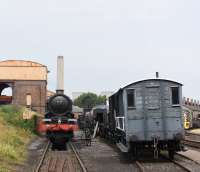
(77, 111)
(50, 93)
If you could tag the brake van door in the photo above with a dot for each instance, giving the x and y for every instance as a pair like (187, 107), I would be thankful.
(152, 112)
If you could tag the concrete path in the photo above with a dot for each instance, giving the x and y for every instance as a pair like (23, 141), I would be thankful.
(192, 154)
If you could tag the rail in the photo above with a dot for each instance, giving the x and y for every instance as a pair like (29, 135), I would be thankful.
(78, 158)
(140, 166)
(178, 164)
(191, 143)
(43, 157)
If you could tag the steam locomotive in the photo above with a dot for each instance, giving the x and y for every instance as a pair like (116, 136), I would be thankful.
(59, 121)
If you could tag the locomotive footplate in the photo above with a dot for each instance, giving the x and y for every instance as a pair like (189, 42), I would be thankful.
(59, 120)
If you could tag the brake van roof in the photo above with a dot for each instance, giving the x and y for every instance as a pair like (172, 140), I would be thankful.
(147, 80)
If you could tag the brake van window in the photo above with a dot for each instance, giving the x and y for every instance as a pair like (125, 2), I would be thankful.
(175, 96)
(131, 98)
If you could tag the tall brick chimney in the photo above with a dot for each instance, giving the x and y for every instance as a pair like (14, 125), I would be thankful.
(60, 75)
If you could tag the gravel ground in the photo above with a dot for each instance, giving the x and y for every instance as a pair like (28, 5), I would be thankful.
(161, 164)
(35, 150)
(195, 167)
(162, 167)
(100, 157)
(192, 154)
(193, 137)
(104, 157)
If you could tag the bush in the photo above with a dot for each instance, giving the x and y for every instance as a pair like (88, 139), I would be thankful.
(13, 115)
(7, 150)
(89, 100)
(15, 134)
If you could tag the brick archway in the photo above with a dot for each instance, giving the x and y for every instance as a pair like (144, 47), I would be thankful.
(3, 86)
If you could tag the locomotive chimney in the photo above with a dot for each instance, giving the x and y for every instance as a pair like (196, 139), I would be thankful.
(60, 75)
(157, 75)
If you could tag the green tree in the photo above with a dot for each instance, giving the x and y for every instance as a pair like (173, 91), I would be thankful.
(89, 100)
(101, 100)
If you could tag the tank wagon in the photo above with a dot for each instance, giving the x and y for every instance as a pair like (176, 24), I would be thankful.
(146, 115)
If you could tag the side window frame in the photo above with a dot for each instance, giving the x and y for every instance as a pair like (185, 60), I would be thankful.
(133, 91)
(171, 96)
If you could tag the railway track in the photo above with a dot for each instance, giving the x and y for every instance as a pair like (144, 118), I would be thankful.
(140, 166)
(78, 158)
(166, 165)
(191, 134)
(181, 166)
(60, 161)
(191, 143)
(43, 157)
(192, 140)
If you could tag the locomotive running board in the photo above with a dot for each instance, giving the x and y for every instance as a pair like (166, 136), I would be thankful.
(122, 147)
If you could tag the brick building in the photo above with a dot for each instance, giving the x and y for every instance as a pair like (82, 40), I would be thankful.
(28, 81)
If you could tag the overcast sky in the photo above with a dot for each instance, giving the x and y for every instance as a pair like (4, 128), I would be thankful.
(106, 43)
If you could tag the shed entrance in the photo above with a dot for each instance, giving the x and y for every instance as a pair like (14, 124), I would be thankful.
(6, 93)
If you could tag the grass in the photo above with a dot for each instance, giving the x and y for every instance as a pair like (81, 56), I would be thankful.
(15, 133)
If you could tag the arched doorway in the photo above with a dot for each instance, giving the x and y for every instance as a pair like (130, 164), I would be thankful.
(6, 93)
